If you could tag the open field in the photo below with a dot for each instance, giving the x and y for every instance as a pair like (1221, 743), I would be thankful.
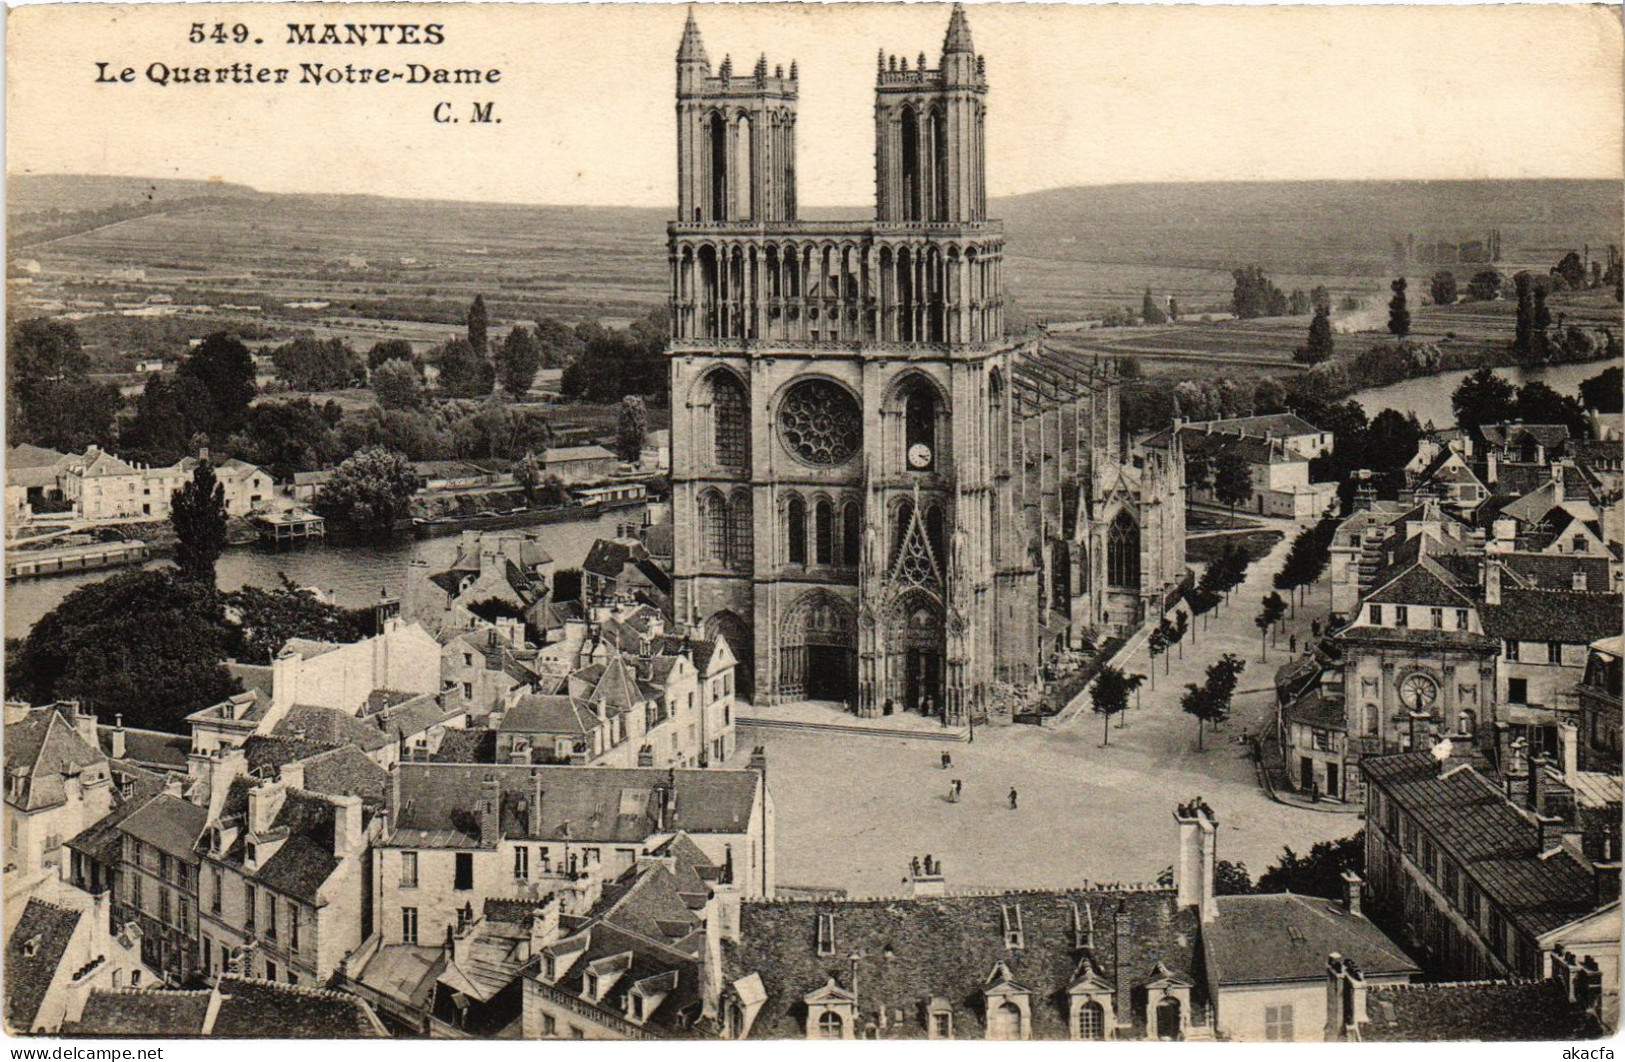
(1070, 252)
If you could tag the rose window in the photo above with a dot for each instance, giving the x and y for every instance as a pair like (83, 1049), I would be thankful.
(821, 423)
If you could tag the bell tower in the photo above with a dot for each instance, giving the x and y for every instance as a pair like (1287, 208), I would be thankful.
(930, 156)
(736, 138)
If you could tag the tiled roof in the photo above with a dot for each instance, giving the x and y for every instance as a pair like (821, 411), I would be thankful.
(48, 745)
(1277, 424)
(700, 649)
(1253, 449)
(1276, 937)
(309, 648)
(330, 727)
(575, 453)
(1416, 637)
(411, 718)
(1472, 822)
(911, 950)
(345, 770)
(1315, 708)
(646, 959)
(250, 1007)
(1476, 1010)
(142, 1012)
(102, 840)
(437, 802)
(1555, 571)
(305, 860)
(1423, 582)
(405, 973)
(28, 455)
(1553, 616)
(33, 953)
(466, 746)
(169, 824)
(548, 714)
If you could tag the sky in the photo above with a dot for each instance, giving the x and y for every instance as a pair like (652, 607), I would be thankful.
(1080, 95)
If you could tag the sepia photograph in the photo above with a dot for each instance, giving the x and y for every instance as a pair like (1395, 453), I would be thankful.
(655, 521)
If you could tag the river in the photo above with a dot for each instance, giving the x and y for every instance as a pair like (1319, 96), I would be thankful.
(1429, 396)
(355, 573)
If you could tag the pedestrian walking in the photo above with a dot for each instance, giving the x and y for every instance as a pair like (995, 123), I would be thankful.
(1292, 644)
(959, 787)
(914, 866)
(1314, 628)
(1012, 799)
(953, 794)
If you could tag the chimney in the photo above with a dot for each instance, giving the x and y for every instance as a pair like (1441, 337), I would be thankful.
(292, 775)
(116, 744)
(348, 833)
(536, 795)
(1345, 998)
(544, 925)
(84, 724)
(1550, 833)
(1492, 582)
(1124, 973)
(1557, 483)
(264, 801)
(1353, 888)
(1197, 844)
(1537, 771)
(1605, 882)
(490, 810)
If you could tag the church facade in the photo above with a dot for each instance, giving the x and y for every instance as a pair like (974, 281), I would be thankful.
(879, 498)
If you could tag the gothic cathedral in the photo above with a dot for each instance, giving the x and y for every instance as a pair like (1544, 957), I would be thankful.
(879, 498)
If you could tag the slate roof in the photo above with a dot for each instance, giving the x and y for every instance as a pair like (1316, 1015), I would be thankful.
(548, 714)
(1472, 822)
(102, 840)
(1474, 1010)
(305, 860)
(248, 1009)
(437, 802)
(142, 1012)
(405, 973)
(1553, 616)
(911, 950)
(169, 824)
(1277, 424)
(1277, 937)
(699, 649)
(1255, 450)
(609, 555)
(1417, 637)
(31, 466)
(594, 452)
(28, 976)
(1550, 436)
(47, 744)
(148, 748)
(645, 959)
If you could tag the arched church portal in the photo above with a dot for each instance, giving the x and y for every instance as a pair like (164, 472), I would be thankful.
(818, 650)
(737, 633)
(916, 643)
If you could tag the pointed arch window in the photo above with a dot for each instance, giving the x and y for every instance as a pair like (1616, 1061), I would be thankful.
(729, 421)
(796, 530)
(714, 526)
(718, 135)
(1123, 553)
(823, 532)
(739, 531)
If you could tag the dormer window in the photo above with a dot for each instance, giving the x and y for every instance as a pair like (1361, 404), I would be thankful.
(826, 934)
(592, 985)
(1012, 925)
(939, 1023)
(637, 1006)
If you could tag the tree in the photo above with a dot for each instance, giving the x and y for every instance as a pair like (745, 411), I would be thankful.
(292, 436)
(1320, 873)
(1269, 396)
(1202, 601)
(197, 511)
(1539, 404)
(308, 364)
(1232, 478)
(1604, 392)
(1399, 316)
(1443, 288)
(1392, 440)
(1523, 342)
(1482, 398)
(1274, 608)
(267, 617)
(631, 428)
(1109, 696)
(50, 400)
(1198, 702)
(1150, 312)
(518, 362)
(1181, 627)
(528, 474)
(1198, 472)
(478, 326)
(223, 365)
(567, 584)
(464, 371)
(1231, 879)
(1156, 644)
(145, 644)
(1169, 640)
(1572, 271)
(1320, 346)
(1173, 308)
(397, 385)
(387, 350)
(1255, 295)
(1299, 303)
(1485, 286)
(369, 490)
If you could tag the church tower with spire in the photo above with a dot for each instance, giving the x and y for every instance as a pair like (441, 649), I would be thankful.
(880, 497)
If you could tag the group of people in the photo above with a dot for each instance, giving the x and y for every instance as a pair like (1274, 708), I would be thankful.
(932, 867)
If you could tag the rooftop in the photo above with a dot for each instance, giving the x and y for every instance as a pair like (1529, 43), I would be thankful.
(33, 953)
(1274, 937)
(1474, 1010)
(1572, 617)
